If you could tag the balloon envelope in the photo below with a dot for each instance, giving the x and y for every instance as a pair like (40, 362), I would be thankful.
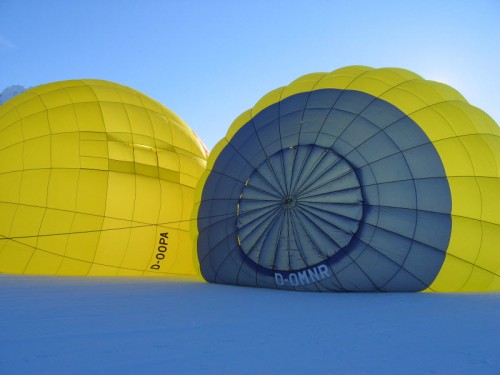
(95, 179)
(360, 179)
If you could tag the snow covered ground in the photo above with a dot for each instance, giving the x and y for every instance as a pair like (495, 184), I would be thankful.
(148, 326)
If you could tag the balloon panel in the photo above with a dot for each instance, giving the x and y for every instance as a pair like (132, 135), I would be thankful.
(95, 179)
(357, 180)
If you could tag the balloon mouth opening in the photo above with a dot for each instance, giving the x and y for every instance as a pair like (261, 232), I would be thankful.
(298, 208)
(289, 202)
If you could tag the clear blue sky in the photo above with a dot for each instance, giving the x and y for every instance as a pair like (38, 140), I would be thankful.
(209, 60)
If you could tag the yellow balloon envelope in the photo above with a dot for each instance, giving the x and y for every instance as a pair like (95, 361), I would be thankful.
(360, 179)
(95, 179)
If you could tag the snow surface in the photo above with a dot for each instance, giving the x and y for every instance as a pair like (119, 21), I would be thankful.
(56, 325)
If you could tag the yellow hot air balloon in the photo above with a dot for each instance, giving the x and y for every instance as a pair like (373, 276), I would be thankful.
(360, 179)
(95, 179)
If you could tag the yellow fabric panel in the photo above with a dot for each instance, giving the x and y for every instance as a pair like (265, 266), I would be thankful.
(136, 258)
(480, 154)
(54, 231)
(35, 126)
(467, 237)
(138, 117)
(80, 94)
(11, 135)
(92, 192)
(11, 158)
(180, 136)
(6, 219)
(95, 149)
(36, 153)
(490, 197)
(120, 196)
(168, 160)
(162, 133)
(112, 244)
(10, 181)
(62, 119)
(30, 107)
(125, 272)
(183, 261)
(65, 150)
(9, 115)
(488, 257)
(85, 232)
(454, 156)
(404, 99)
(106, 94)
(14, 256)
(26, 223)
(141, 237)
(466, 197)
(120, 151)
(151, 104)
(63, 189)
(38, 196)
(43, 263)
(145, 155)
(89, 117)
(115, 117)
(56, 99)
(305, 83)
(441, 128)
(101, 270)
(452, 276)
(455, 114)
(74, 267)
(479, 279)
(146, 209)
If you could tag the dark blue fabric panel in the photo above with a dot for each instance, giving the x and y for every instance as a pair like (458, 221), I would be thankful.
(392, 246)
(423, 162)
(266, 116)
(245, 141)
(433, 229)
(352, 278)
(233, 165)
(371, 195)
(359, 131)
(404, 281)
(424, 262)
(353, 101)
(268, 134)
(392, 168)
(323, 99)
(406, 134)
(377, 147)
(429, 197)
(398, 220)
(382, 273)
(382, 114)
(314, 119)
(293, 104)
(398, 194)
(337, 121)
(290, 124)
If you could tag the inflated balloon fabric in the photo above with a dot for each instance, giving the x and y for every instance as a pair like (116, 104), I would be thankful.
(356, 180)
(95, 179)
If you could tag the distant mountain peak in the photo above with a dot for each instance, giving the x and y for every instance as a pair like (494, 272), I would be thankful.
(10, 92)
